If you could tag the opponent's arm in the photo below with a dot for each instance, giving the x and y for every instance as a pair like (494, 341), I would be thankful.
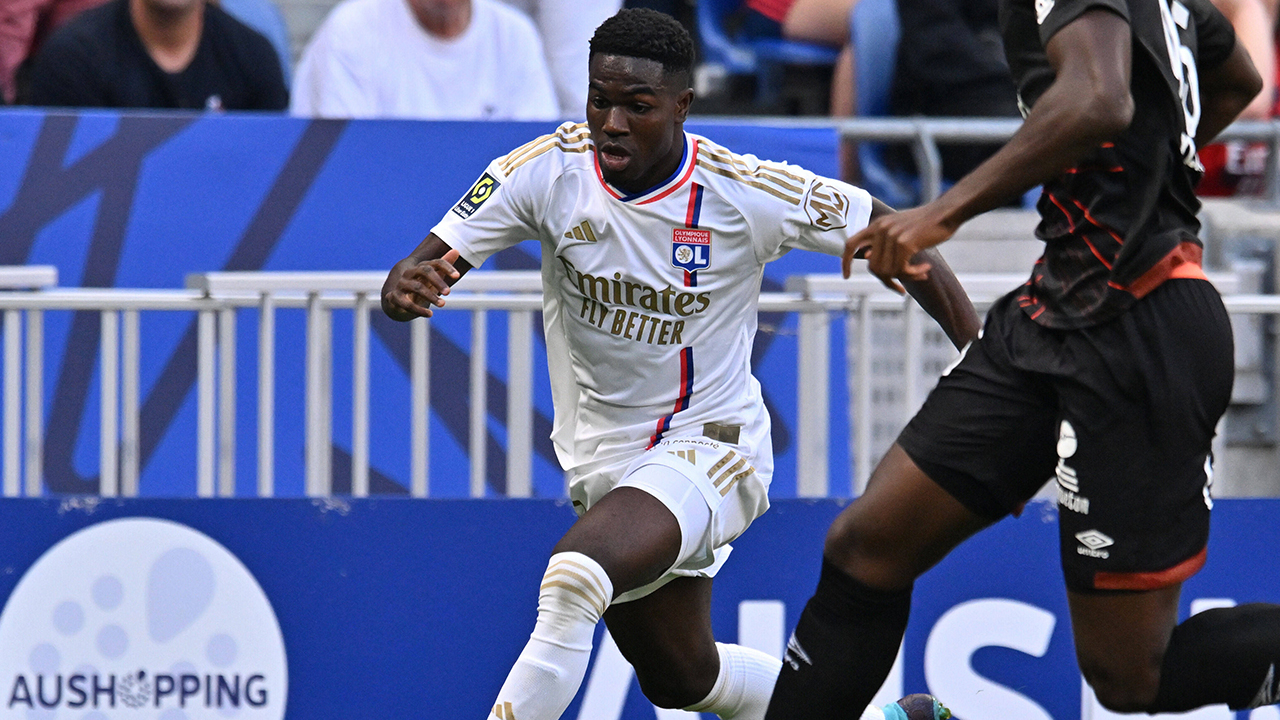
(1087, 104)
(940, 294)
(421, 280)
(1225, 91)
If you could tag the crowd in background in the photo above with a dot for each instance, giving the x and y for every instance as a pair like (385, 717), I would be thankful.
(509, 60)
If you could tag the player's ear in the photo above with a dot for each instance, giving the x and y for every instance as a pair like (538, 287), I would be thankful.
(683, 101)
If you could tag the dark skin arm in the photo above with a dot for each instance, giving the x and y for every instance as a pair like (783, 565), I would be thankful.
(1088, 103)
(940, 293)
(1225, 91)
(419, 282)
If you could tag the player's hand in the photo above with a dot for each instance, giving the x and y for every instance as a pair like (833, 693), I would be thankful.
(891, 242)
(423, 285)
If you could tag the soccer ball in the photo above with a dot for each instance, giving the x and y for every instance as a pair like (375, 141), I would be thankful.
(918, 706)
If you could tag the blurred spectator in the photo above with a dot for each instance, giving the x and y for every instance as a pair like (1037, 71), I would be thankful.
(823, 22)
(951, 63)
(1235, 167)
(265, 17)
(431, 59)
(24, 24)
(566, 27)
(157, 54)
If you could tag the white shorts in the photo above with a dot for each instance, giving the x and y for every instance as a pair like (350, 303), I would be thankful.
(714, 489)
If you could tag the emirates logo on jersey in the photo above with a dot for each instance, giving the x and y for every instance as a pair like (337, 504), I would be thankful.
(828, 208)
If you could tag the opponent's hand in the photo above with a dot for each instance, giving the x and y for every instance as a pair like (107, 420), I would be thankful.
(891, 242)
(423, 285)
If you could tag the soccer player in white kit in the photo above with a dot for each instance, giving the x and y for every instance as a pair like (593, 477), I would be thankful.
(653, 242)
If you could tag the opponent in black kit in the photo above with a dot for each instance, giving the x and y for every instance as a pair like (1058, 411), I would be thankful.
(1108, 369)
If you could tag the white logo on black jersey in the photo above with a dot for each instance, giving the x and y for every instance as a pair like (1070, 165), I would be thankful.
(1043, 8)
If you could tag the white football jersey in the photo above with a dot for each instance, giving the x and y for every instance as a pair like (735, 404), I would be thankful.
(649, 299)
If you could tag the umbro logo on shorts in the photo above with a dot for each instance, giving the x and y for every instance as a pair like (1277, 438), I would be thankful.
(1092, 543)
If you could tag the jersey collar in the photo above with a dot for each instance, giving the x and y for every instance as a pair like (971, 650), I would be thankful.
(678, 178)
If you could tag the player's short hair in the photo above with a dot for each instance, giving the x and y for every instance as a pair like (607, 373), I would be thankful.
(649, 34)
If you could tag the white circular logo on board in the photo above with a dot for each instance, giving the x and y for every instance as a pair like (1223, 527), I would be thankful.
(140, 618)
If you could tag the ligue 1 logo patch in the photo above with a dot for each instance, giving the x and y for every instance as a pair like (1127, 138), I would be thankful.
(691, 249)
(475, 197)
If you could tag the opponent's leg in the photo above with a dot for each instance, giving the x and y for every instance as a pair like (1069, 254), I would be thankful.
(1137, 660)
(1141, 421)
(666, 636)
(849, 633)
(626, 540)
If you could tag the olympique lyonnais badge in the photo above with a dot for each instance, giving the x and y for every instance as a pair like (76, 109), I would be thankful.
(691, 249)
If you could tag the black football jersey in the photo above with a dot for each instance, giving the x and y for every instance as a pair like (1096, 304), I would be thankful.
(1116, 224)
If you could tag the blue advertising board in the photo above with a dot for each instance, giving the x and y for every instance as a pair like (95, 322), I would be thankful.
(400, 608)
(134, 200)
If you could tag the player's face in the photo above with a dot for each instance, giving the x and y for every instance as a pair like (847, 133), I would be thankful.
(636, 119)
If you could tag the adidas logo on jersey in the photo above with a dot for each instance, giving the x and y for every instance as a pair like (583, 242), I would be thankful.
(582, 232)
(503, 711)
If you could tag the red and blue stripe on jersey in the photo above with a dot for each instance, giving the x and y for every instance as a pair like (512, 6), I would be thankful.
(691, 221)
(682, 402)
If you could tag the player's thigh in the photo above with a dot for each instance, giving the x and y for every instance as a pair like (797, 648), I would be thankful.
(631, 533)
(667, 637)
(901, 526)
(1120, 641)
(1134, 447)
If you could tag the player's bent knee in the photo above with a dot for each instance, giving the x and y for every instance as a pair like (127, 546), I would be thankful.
(867, 551)
(1122, 690)
(678, 683)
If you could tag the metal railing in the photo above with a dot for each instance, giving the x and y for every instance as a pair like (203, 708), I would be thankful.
(216, 297)
(923, 135)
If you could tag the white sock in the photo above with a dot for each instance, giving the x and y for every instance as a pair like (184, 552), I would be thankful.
(744, 685)
(575, 592)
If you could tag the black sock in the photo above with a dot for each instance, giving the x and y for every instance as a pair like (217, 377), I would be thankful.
(1225, 655)
(842, 650)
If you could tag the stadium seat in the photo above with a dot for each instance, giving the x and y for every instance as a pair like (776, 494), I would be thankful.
(875, 31)
(763, 57)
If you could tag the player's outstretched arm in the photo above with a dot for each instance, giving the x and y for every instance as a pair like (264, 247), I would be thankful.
(1088, 103)
(942, 296)
(936, 288)
(1225, 91)
(419, 282)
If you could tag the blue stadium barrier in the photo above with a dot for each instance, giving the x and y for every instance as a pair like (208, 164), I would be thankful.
(400, 608)
(126, 199)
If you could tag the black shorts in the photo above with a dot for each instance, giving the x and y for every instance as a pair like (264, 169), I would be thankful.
(1122, 414)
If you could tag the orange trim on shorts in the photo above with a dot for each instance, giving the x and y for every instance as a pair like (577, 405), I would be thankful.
(1151, 580)
(1188, 271)
(1181, 262)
